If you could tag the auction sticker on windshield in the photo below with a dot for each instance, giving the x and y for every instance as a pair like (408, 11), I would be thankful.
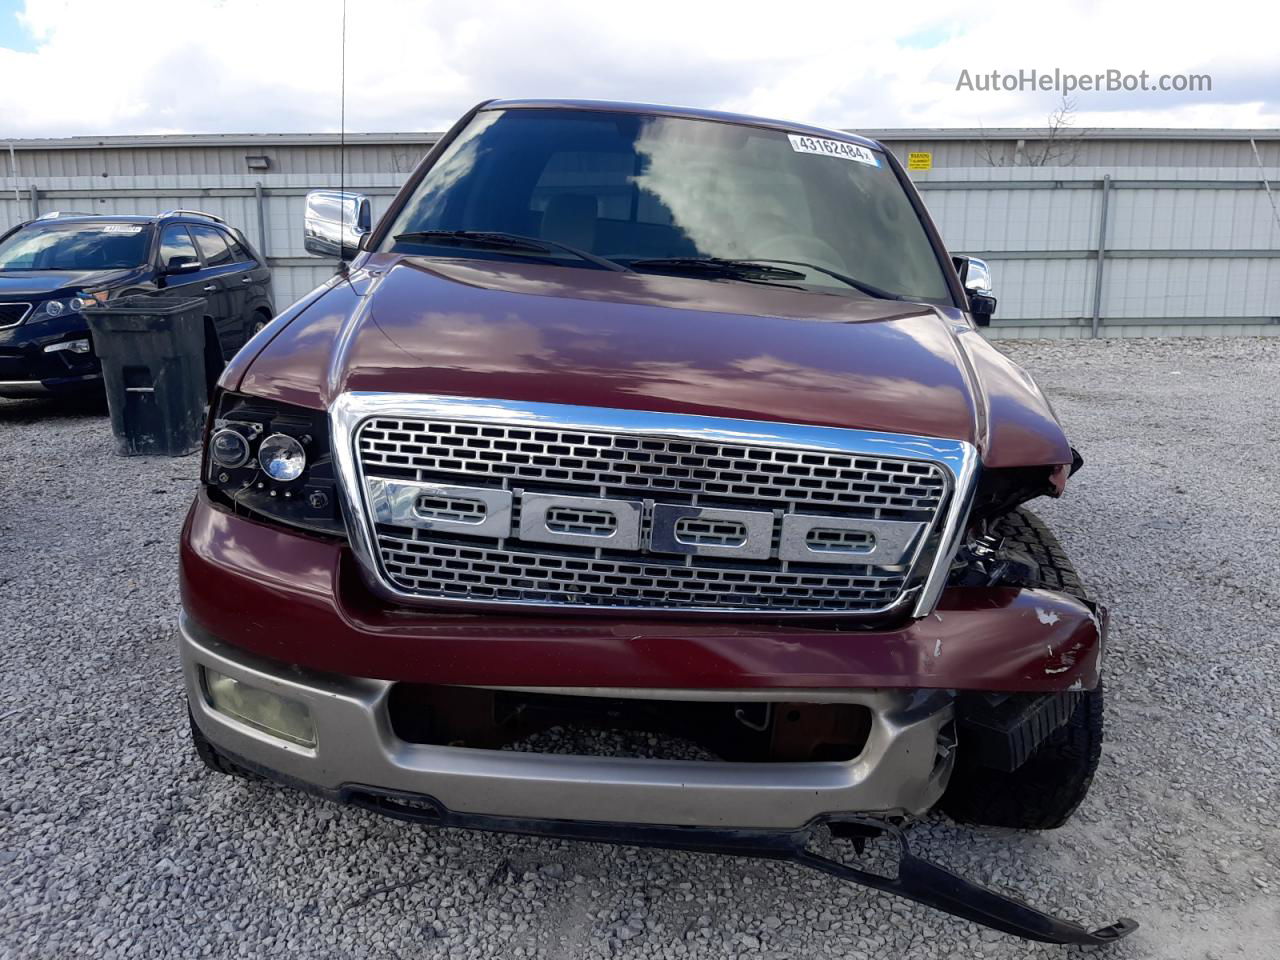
(832, 148)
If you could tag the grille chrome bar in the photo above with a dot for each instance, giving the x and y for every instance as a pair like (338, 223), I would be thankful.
(472, 510)
(874, 518)
(13, 312)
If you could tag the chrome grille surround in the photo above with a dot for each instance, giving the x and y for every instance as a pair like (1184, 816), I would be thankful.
(13, 312)
(633, 465)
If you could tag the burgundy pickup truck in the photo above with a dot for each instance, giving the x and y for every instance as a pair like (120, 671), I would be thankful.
(660, 421)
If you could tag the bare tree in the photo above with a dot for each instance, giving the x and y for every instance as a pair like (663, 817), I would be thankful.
(1059, 146)
(988, 152)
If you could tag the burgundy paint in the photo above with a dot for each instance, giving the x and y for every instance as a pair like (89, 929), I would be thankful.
(531, 332)
(300, 600)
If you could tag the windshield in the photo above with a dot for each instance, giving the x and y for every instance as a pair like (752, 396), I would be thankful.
(76, 246)
(634, 188)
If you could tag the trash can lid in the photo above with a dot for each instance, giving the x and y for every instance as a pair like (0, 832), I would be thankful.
(146, 305)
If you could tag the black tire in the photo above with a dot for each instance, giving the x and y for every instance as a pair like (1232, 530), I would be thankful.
(1025, 535)
(1044, 792)
(210, 756)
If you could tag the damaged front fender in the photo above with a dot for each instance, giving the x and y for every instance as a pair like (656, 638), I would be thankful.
(1042, 640)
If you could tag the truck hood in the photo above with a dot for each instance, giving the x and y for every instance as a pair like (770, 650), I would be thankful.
(537, 333)
(42, 283)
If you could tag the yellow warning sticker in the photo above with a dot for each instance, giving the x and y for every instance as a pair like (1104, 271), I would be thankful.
(919, 161)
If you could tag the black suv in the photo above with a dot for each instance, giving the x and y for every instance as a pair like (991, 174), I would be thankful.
(53, 267)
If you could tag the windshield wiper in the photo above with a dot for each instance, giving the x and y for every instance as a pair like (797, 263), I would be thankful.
(510, 241)
(862, 285)
(748, 270)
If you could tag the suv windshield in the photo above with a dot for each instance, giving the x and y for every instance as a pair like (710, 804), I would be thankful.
(76, 246)
(634, 188)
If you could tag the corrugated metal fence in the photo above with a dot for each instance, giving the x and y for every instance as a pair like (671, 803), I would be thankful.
(1123, 251)
(1118, 251)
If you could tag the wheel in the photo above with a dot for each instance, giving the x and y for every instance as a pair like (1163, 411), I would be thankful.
(1049, 568)
(255, 322)
(212, 759)
(1043, 792)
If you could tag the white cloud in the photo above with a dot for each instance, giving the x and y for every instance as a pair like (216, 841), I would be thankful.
(154, 66)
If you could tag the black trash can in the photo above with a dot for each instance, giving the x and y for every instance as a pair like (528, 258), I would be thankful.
(152, 350)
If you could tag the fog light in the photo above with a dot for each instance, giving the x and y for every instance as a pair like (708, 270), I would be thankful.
(278, 716)
(75, 346)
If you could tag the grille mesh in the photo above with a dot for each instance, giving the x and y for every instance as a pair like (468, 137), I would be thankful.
(862, 486)
(574, 462)
(432, 568)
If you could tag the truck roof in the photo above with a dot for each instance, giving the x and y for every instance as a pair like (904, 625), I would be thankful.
(696, 113)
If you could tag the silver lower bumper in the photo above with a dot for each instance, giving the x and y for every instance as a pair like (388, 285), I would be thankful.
(902, 770)
(22, 388)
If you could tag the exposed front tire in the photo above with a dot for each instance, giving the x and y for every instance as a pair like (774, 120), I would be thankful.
(1043, 792)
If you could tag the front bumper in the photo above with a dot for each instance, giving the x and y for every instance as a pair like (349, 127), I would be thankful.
(762, 810)
(902, 769)
(299, 599)
(27, 369)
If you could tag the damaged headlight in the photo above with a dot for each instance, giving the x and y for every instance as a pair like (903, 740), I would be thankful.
(273, 460)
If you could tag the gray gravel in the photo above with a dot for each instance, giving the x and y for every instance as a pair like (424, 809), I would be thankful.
(115, 842)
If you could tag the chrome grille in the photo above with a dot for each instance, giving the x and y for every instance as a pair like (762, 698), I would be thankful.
(591, 523)
(446, 569)
(450, 509)
(825, 540)
(649, 475)
(650, 465)
(714, 533)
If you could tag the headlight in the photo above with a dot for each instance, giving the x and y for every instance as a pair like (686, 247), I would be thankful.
(88, 299)
(272, 460)
(50, 308)
(229, 448)
(282, 457)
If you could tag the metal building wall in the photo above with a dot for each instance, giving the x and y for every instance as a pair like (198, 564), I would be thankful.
(1228, 149)
(1183, 251)
(196, 155)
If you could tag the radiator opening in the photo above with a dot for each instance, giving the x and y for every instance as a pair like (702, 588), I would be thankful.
(626, 728)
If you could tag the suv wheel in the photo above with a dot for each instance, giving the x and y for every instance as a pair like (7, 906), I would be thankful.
(1043, 792)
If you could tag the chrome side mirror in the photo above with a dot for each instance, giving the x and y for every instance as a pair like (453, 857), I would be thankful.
(336, 223)
(975, 277)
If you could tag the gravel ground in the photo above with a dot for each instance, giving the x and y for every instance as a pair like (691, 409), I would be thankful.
(115, 842)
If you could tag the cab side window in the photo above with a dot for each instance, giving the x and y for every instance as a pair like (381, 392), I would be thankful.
(239, 252)
(176, 242)
(212, 245)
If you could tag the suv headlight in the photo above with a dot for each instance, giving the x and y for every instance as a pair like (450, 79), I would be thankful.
(56, 308)
(88, 299)
(50, 308)
(272, 460)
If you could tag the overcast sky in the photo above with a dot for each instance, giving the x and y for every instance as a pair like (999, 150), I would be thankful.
(82, 67)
